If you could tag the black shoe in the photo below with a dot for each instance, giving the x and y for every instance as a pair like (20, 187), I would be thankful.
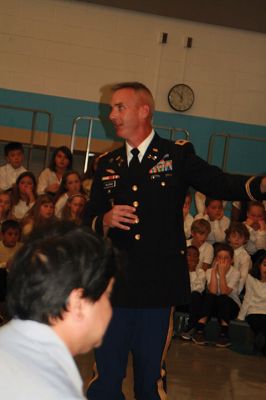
(223, 341)
(199, 338)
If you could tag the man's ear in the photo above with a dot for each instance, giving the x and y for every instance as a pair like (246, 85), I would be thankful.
(145, 111)
(75, 303)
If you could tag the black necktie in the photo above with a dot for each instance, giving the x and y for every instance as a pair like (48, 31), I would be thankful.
(134, 164)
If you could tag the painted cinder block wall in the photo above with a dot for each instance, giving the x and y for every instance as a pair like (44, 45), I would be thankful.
(61, 55)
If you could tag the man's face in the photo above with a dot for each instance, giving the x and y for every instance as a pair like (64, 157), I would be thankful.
(126, 112)
(15, 158)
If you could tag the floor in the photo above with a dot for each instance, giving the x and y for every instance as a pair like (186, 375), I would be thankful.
(202, 373)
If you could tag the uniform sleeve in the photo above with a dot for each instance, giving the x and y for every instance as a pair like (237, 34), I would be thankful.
(213, 182)
(98, 203)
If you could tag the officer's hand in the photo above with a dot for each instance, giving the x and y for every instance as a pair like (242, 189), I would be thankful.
(119, 216)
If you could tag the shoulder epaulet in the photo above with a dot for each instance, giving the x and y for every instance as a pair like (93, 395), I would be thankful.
(181, 142)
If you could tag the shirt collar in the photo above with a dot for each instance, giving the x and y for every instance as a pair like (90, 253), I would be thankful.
(142, 147)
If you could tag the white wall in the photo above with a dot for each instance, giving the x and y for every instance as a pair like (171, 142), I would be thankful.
(72, 49)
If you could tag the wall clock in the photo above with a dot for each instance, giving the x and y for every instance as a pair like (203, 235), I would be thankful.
(181, 97)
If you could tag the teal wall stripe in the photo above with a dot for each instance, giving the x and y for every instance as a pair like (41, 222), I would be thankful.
(244, 156)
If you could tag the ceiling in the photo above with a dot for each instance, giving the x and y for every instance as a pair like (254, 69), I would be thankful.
(241, 14)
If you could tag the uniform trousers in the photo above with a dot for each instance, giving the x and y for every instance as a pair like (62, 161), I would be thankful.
(143, 332)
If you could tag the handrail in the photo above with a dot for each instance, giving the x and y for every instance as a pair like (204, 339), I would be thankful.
(173, 131)
(35, 112)
(73, 136)
(227, 138)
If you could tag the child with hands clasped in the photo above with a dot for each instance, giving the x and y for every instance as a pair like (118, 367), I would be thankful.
(221, 299)
(23, 194)
(254, 304)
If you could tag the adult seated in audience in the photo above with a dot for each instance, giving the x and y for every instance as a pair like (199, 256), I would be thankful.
(254, 304)
(200, 230)
(58, 297)
(214, 213)
(50, 178)
(221, 300)
(237, 236)
(23, 194)
(9, 172)
(256, 224)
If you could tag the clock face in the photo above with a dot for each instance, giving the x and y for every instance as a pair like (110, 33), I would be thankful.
(181, 97)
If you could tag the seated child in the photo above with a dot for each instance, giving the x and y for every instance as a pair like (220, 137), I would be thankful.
(42, 213)
(200, 199)
(200, 230)
(237, 236)
(23, 194)
(10, 241)
(74, 208)
(50, 178)
(256, 224)
(5, 207)
(214, 213)
(254, 305)
(14, 154)
(197, 286)
(188, 219)
(70, 185)
(221, 299)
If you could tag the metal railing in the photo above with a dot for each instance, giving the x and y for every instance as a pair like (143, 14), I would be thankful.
(227, 139)
(35, 113)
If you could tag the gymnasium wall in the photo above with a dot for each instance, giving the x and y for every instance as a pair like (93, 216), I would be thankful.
(63, 55)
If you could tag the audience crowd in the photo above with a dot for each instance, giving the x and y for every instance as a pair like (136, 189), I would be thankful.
(226, 256)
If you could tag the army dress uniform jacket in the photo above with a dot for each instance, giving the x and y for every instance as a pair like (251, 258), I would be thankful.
(153, 251)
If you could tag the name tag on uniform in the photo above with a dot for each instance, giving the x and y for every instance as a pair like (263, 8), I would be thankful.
(109, 181)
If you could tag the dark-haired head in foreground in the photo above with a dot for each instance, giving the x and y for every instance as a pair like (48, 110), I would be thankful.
(63, 277)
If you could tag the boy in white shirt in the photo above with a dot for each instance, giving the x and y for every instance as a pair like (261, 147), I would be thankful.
(237, 236)
(222, 299)
(256, 224)
(214, 213)
(200, 230)
(14, 154)
(197, 286)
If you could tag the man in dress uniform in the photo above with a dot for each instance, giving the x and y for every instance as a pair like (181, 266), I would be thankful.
(137, 200)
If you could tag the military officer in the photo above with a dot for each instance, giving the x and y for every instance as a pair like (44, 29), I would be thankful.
(137, 200)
